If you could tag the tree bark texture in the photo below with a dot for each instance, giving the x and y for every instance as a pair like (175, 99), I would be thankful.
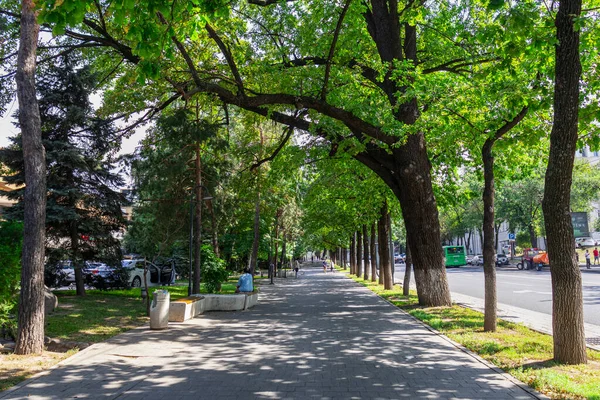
(408, 175)
(215, 234)
(283, 250)
(407, 270)
(373, 256)
(197, 222)
(366, 252)
(567, 300)
(383, 231)
(30, 335)
(277, 216)
(254, 256)
(359, 253)
(76, 261)
(489, 264)
(353, 254)
(532, 235)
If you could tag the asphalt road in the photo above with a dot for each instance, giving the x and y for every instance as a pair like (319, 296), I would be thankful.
(526, 289)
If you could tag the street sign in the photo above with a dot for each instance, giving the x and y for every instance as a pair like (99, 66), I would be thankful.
(511, 236)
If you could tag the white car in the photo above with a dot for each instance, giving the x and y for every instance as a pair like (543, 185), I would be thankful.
(585, 242)
(156, 275)
(477, 259)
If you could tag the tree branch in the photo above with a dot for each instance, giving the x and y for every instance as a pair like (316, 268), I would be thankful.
(228, 57)
(456, 65)
(183, 51)
(510, 124)
(264, 3)
(336, 35)
(285, 139)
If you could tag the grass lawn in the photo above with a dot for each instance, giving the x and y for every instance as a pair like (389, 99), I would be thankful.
(93, 318)
(523, 353)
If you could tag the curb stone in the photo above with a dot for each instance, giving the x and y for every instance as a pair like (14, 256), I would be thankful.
(459, 346)
(74, 357)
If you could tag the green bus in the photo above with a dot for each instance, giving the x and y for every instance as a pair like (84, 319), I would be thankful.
(455, 256)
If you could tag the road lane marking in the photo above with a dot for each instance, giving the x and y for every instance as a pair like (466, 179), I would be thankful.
(531, 291)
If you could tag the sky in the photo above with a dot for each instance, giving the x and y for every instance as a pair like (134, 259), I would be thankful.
(7, 129)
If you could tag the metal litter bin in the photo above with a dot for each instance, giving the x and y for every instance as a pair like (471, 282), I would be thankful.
(159, 310)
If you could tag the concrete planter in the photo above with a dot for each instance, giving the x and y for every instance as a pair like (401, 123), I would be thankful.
(189, 307)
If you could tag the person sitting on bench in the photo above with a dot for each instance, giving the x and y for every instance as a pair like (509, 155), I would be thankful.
(245, 283)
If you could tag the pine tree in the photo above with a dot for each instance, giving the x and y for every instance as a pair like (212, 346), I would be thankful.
(83, 209)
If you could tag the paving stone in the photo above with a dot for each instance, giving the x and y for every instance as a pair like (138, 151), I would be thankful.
(321, 336)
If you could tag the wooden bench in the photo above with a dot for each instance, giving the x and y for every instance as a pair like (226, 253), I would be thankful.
(188, 307)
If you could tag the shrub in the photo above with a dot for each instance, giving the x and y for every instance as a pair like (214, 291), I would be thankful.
(11, 241)
(213, 270)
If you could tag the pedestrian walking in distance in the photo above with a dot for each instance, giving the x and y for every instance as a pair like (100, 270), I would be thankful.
(588, 264)
(596, 256)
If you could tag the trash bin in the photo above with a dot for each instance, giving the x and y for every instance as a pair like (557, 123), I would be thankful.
(159, 310)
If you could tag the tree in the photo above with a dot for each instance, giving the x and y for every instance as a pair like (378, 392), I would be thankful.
(177, 163)
(567, 304)
(30, 337)
(382, 127)
(83, 204)
(520, 204)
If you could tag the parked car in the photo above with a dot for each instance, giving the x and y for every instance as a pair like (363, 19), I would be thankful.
(67, 272)
(501, 259)
(97, 269)
(399, 258)
(156, 276)
(583, 242)
(477, 259)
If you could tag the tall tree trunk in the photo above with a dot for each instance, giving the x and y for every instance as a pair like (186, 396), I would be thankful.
(76, 260)
(406, 170)
(359, 253)
(197, 223)
(30, 335)
(408, 262)
(254, 255)
(277, 215)
(489, 267)
(283, 250)
(385, 268)
(373, 256)
(468, 242)
(353, 253)
(567, 299)
(213, 224)
(489, 237)
(533, 236)
(366, 252)
(496, 230)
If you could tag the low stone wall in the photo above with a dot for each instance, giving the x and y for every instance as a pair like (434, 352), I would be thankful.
(196, 304)
(186, 308)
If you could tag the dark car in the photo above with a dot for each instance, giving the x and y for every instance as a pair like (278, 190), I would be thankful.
(502, 259)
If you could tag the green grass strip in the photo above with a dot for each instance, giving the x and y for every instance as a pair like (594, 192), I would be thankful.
(518, 350)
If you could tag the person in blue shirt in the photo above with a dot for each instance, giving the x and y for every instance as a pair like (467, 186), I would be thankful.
(245, 282)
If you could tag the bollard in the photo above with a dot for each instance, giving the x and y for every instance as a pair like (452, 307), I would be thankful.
(159, 310)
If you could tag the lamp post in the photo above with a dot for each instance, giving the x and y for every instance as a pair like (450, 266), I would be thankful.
(199, 233)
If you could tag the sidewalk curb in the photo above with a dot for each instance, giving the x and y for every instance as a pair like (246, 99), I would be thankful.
(68, 360)
(534, 393)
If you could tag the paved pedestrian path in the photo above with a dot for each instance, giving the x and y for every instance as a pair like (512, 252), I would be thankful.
(319, 336)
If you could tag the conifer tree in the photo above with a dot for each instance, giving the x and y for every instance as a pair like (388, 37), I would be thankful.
(83, 209)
